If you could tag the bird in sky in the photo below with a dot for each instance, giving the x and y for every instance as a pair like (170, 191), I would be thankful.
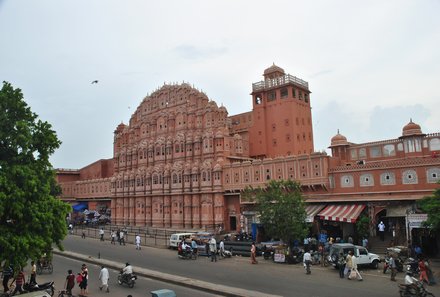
(94, 82)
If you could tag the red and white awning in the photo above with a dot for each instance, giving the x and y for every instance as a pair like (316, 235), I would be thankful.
(342, 213)
(312, 210)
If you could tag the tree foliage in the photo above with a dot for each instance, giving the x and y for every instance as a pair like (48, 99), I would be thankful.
(31, 217)
(281, 208)
(362, 226)
(431, 206)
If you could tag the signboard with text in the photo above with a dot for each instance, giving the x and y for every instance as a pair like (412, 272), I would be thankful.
(415, 220)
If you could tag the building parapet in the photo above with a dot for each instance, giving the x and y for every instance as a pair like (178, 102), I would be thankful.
(279, 81)
(387, 164)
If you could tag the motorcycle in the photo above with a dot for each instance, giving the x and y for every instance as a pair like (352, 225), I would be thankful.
(412, 266)
(48, 287)
(414, 291)
(129, 279)
(187, 254)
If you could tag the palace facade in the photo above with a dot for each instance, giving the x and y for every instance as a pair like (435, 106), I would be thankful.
(181, 162)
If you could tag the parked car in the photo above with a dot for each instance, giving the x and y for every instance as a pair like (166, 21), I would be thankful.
(363, 257)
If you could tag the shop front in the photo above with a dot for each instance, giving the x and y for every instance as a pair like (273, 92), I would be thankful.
(338, 220)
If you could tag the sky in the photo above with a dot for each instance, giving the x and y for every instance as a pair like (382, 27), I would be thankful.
(371, 65)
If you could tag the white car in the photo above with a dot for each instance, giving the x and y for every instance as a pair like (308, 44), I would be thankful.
(363, 257)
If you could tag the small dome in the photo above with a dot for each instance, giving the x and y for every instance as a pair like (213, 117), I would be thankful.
(272, 69)
(411, 129)
(338, 140)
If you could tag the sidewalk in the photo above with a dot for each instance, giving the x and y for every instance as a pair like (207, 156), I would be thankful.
(169, 278)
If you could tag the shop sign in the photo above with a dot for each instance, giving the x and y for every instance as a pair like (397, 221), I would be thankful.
(416, 220)
(280, 258)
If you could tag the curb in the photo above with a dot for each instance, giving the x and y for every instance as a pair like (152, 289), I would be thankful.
(169, 278)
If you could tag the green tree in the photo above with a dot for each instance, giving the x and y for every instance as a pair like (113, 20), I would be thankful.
(281, 208)
(31, 217)
(431, 206)
(362, 226)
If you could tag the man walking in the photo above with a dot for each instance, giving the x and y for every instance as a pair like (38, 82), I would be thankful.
(104, 277)
(348, 263)
(138, 242)
(213, 249)
(33, 279)
(393, 266)
(101, 234)
(307, 258)
(121, 237)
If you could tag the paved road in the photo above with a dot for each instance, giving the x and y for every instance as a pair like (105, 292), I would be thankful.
(266, 277)
(143, 285)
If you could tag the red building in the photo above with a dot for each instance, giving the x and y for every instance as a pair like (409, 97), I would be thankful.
(181, 162)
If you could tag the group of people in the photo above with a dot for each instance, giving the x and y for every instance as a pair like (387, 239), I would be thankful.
(19, 280)
(347, 265)
(210, 246)
(83, 276)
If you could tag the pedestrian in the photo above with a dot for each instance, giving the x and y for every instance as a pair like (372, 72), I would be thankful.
(70, 282)
(213, 249)
(393, 266)
(348, 263)
(19, 281)
(354, 271)
(341, 265)
(306, 243)
(350, 239)
(381, 228)
(423, 271)
(365, 242)
(221, 248)
(121, 238)
(7, 274)
(118, 234)
(113, 235)
(104, 277)
(83, 234)
(101, 234)
(194, 247)
(84, 280)
(321, 251)
(307, 259)
(70, 228)
(33, 279)
(138, 241)
(253, 254)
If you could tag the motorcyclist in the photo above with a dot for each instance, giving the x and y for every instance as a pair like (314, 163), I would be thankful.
(127, 272)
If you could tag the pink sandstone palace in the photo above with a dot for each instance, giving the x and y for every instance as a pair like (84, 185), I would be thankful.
(182, 162)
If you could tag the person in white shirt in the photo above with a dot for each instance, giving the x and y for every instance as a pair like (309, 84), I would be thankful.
(101, 234)
(381, 228)
(138, 242)
(221, 248)
(354, 269)
(213, 249)
(127, 271)
(104, 277)
(307, 259)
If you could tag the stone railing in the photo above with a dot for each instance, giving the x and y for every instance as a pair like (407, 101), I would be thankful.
(279, 81)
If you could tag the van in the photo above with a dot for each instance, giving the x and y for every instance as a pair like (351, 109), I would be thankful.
(178, 237)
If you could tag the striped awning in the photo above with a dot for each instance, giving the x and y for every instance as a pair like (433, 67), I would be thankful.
(312, 210)
(342, 212)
